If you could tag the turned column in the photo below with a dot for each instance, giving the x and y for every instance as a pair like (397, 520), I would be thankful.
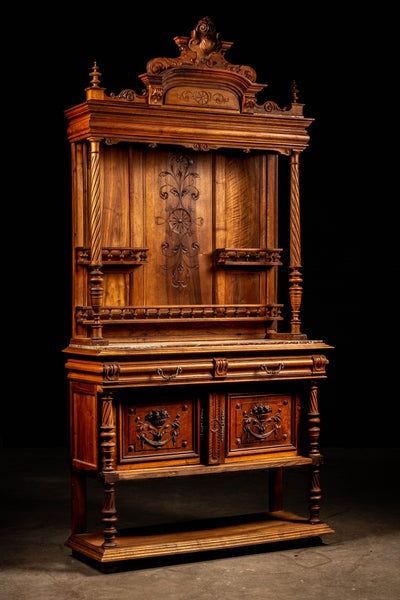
(295, 277)
(313, 418)
(107, 434)
(95, 275)
(275, 489)
(78, 501)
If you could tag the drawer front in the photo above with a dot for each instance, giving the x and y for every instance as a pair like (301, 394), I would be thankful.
(159, 430)
(207, 369)
(262, 423)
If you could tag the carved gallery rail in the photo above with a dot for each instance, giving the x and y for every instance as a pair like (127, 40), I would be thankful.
(120, 315)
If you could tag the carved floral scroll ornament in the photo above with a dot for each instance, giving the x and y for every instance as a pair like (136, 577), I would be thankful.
(178, 184)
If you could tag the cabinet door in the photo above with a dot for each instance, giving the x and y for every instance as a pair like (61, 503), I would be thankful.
(159, 429)
(261, 423)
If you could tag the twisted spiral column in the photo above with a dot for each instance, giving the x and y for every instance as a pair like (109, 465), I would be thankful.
(107, 433)
(295, 278)
(96, 276)
(313, 421)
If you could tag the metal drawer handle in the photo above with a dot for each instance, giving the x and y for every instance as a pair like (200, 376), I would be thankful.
(264, 367)
(168, 377)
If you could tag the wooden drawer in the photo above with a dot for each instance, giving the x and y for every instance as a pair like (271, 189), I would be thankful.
(179, 370)
(160, 429)
(261, 423)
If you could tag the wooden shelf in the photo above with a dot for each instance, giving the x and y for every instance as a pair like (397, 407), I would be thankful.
(190, 470)
(199, 536)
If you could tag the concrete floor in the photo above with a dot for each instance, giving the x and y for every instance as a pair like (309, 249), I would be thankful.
(360, 561)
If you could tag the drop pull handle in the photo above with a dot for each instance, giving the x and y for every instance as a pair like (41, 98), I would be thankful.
(264, 367)
(169, 377)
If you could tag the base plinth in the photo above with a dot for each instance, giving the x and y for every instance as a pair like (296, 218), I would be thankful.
(196, 537)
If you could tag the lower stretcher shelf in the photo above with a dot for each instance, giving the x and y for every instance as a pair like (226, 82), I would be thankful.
(197, 536)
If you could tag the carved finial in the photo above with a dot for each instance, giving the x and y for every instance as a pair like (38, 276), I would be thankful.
(95, 74)
(295, 92)
(204, 39)
(94, 91)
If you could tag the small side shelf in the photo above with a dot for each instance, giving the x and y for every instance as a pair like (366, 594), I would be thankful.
(130, 257)
(247, 257)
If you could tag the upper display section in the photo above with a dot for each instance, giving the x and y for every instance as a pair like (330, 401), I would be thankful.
(175, 197)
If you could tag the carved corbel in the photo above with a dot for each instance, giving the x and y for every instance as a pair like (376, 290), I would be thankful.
(156, 94)
(111, 371)
(220, 367)
(319, 364)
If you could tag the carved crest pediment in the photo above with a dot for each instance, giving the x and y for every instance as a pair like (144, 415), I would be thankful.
(204, 50)
(201, 65)
(199, 78)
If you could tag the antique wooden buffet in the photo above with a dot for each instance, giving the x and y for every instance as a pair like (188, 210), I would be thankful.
(176, 363)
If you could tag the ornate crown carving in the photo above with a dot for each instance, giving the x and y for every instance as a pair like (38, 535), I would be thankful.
(202, 77)
(202, 49)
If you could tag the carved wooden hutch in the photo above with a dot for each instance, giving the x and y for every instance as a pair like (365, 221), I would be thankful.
(176, 363)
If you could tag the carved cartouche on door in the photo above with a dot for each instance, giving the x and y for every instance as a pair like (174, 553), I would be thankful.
(155, 431)
(260, 424)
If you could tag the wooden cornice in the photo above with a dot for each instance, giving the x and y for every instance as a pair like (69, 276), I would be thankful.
(153, 124)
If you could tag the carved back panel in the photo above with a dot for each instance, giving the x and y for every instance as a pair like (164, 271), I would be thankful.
(182, 239)
(175, 201)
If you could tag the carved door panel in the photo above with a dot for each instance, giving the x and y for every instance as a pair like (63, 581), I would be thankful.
(260, 423)
(159, 429)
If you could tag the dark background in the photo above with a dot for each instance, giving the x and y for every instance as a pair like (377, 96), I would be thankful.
(343, 64)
